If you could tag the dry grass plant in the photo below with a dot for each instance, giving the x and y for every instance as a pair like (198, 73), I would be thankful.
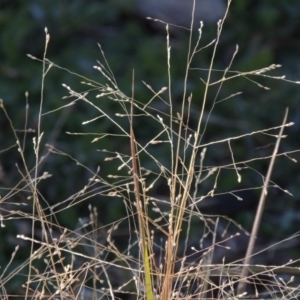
(85, 262)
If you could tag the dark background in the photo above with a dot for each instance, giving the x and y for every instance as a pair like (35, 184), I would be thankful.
(266, 32)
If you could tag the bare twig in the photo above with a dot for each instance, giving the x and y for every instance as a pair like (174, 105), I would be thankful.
(242, 284)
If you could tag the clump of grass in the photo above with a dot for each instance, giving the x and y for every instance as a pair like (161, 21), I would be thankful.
(158, 262)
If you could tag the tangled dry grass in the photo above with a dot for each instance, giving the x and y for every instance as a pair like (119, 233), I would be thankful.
(157, 261)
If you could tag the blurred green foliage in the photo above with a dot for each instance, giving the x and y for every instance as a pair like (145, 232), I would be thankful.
(266, 32)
